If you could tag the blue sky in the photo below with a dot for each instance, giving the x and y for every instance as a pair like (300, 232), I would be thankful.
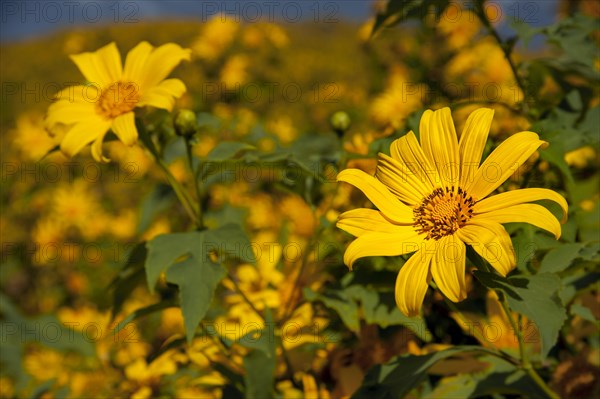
(27, 19)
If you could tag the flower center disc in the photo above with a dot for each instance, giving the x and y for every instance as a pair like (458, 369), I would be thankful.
(119, 98)
(443, 212)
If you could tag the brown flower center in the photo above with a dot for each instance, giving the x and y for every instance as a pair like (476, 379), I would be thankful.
(119, 98)
(443, 212)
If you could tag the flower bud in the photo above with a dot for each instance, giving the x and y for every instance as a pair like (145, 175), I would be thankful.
(185, 123)
(340, 122)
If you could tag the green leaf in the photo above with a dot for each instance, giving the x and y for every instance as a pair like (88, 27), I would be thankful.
(535, 297)
(398, 377)
(197, 280)
(185, 259)
(525, 32)
(559, 259)
(158, 201)
(555, 155)
(226, 150)
(501, 377)
(376, 311)
(165, 249)
(260, 362)
(231, 240)
(131, 275)
(346, 309)
(583, 312)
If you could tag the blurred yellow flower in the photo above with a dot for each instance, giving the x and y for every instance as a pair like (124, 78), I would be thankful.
(398, 101)
(30, 137)
(234, 73)
(107, 101)
(458, 25)
(283, 128)
(432, 199)
(217, 35)
(142, 372)
(75, 205)
(301, 218)
(580, 157)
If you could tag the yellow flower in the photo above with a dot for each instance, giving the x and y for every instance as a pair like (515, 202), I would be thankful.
(30, 138)
(112, 93)
(432, 199)
(217, 35)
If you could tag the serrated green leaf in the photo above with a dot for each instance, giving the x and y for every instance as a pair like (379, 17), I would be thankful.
(583, 312)
(165, 249)
(131, 275)
(559, 259)
(346, 309)
(185, 259)
(260, 364)
(377, 312)
(398, 377)
(227, 150)
(155, 203)
(535, 297)
(197, 279)
(232, 240)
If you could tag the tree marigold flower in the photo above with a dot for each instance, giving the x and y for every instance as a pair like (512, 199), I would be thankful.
(432, 201)
(108, 99)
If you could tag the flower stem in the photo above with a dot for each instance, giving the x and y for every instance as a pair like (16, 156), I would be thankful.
(179, 191)
(505, 47)
(188, 147)
(243, 295)
(525, 364)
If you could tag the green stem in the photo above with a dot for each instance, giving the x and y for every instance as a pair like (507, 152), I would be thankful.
(452, 306)
(290, 306)
(525, 364)
(181, 194)
(480, 11)
(179, 191)
(188, 147)
(246, 299)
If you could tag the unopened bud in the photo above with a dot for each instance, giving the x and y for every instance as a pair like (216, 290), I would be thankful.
(340, 122)
(185, 123)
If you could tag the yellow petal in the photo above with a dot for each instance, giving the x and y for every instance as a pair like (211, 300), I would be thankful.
(515, 197)
(135, 61)
(383, 244)
(83, 133)
(412, 280)
(163, 95)
(124, 128)
(472, 142)
(102, 67)
(79, 94)
(448, 268)
(533, 214)
(491, 241)
(379, 195)
(363, 221)
(160, 63)
(440, 144)
(502, 163)
(97, 149)
(408, 151)
(400, 181)
(67, 113)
